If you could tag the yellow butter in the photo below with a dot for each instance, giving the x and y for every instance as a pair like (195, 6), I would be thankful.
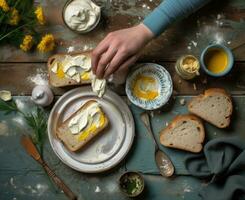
(91, 129)
(60, 72)
(145, 87)
(85, 76)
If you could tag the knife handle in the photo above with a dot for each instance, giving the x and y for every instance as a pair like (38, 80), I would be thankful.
(58, 181)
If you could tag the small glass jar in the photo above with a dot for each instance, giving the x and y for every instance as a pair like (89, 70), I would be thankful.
(187, 67)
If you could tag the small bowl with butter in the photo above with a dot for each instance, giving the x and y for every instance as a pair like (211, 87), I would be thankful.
(217, 60)
(149, 86)
(81, 16)
(187, 67)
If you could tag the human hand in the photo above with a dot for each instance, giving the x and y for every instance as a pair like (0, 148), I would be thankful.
(119, 49)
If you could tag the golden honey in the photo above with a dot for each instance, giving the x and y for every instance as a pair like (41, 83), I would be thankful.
(216, 60)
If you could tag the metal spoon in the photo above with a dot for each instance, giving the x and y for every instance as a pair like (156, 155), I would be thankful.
(163, 162)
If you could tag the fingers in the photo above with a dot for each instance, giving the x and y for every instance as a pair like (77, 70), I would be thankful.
(97, 52)
(104, 61)
(117, 60)
(123, 67)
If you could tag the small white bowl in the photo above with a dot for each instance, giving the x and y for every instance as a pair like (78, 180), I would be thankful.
(85, 31)
(163, 78)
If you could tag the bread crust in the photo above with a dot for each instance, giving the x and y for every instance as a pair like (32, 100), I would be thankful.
(172, 125)
(211, 92)
(63, 131)
(65, 81)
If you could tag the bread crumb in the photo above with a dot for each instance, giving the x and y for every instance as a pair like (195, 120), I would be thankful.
(166, 123)
(182, 102)
(194, 86)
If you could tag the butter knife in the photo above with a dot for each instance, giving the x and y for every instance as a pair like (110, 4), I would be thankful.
(33, 152)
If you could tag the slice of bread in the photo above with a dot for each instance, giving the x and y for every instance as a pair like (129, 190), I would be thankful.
(214, 106)
(185, 132)
(75, 142)
(57, 81)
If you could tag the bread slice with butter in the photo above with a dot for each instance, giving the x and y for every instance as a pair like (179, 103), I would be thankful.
(214, 106)
(76, 132)
(59, 78)
(185, 132)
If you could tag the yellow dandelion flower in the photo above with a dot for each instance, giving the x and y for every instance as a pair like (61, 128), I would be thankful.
(4, 5)
(14, 17)
(27, 43)
(47, 43)
(39, 15)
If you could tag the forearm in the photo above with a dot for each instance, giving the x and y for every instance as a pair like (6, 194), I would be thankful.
(170, 11)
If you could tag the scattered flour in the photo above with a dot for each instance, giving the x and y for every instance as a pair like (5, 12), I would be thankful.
(88, 47)
(40, 78)
(12, 183)
(182, 102)
(187, 187)
(194, 43)
(19, 120)
(41, 188)
(111, 187)
(218, 38)
(70, 49)
(97, 189)
(20, 104)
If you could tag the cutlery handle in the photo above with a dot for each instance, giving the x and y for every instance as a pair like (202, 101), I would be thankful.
(58, 182)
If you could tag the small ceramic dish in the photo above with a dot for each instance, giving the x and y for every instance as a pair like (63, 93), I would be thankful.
(163, 82)
(131, 183)
(76, 31)
(230, 59)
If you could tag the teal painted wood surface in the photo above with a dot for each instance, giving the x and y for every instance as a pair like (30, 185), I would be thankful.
(22, 178)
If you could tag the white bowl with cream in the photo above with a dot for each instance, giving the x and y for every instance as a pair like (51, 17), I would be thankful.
(81, 16)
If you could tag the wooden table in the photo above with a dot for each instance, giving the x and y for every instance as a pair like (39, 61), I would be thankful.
(22, 178)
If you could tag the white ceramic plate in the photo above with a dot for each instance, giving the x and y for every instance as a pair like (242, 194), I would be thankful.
(107, 149)
(163, 78)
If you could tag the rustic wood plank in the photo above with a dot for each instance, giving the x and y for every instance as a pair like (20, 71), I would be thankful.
(224, 23)
(20, 78)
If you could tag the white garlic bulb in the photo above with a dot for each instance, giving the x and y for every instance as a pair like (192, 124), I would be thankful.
(42, 95)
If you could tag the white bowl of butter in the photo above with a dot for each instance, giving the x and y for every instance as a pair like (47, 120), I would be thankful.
(149, 86)
(81, 16)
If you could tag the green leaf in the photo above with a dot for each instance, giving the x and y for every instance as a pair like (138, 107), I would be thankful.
(8, 107)
(36, 120)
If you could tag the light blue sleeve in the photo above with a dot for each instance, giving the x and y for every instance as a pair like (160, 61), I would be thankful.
(170, 11)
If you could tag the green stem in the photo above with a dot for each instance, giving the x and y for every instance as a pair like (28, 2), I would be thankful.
(6, 35)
